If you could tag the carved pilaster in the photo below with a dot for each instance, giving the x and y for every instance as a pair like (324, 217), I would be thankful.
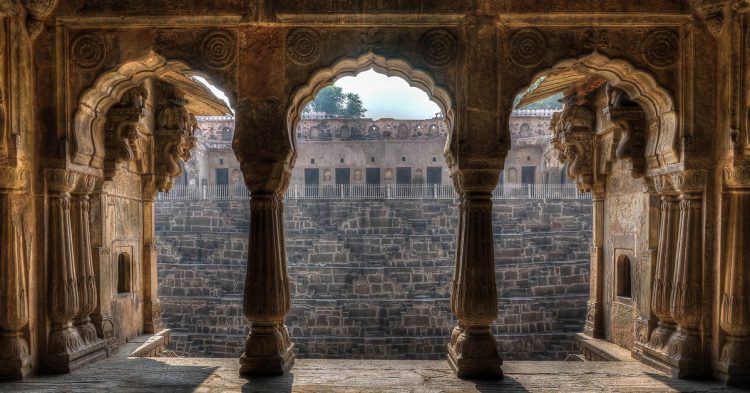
(594, 326)
(661, 290)
(121, 131)
(62, 281)
(87, 290)
(734, 311)
(173, 137)
(268, 350)
(684, 348)
(472, 351)
(14, 297)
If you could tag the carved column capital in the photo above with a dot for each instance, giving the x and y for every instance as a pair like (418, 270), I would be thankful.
(689, 181)
(476, 180)
(13, 178)
(736, 177)
(61, 180)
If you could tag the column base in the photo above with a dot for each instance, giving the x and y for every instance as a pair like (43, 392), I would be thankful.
(734, 363)
(685, 356)
(268, 352)
(472, 353)
(105, 329)
(593, 327)
(152, 322)
(15, 360)
(63, 363)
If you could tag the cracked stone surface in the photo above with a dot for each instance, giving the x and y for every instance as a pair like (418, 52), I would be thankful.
(203, 375)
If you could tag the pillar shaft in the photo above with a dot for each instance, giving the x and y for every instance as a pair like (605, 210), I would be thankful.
(472, 351)
(87, 289)
(268, 350)
(685, 345)
(594, 326)
(62, 298)
(734, 311)
(661, 290)
(152, 322)
(14, 301)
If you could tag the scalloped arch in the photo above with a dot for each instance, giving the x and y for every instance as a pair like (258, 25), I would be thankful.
(88, 124)
(352, 67)
(641, 87)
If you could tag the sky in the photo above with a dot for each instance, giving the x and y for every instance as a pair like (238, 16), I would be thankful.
(383, 96)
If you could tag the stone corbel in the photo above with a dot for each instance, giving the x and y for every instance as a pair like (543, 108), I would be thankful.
(574, 138)
(121, 136)
(713, 13)
(174, 139)
(630, 119)
(36, 12)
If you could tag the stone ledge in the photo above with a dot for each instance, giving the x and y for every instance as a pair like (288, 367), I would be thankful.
(149, 345)
(599, 350)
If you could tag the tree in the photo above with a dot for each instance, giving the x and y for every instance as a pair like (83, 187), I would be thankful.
(354, 108)
(335, 104)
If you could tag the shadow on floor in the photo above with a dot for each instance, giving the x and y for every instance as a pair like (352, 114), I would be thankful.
(507, 384)
(282, 384)
(119, 375)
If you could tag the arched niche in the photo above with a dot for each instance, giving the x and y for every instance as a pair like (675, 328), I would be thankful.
(352, 67)
(87, 146)
(640, 87)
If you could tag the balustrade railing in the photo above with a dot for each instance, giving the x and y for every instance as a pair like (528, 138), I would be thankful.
(375, 191)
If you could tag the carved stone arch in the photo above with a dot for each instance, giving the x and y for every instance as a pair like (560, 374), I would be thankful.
(640, 87)
(352, 67)
(87, 145)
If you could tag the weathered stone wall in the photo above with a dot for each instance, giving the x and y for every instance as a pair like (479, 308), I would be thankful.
(372, 278)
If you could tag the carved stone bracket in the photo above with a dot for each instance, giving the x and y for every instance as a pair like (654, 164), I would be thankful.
(713, 13)
(573, 137)
(630, 119)
(174, 138)
(121, 135)
(36, 12)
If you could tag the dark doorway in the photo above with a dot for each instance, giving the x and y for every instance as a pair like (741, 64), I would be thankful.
(403, 175)
(434, 175)
(343, 176)
(222, 176)
(528, 175)
(372, 176)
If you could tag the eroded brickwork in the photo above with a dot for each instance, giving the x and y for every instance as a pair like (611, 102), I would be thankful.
(371, 279)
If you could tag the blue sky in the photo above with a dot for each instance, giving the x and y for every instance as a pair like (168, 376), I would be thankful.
(385, 96)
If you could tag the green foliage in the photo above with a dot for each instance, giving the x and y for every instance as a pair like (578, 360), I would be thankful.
(336, 104)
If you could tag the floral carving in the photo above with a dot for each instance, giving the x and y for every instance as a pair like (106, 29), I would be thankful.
(371, 41)
(303, 46)
(438, 47)
(218, 49)
(88, 51)
(527, 47)
(738, 176)
(661, 48)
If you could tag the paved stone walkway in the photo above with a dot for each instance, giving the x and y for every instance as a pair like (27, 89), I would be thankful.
(336, 376)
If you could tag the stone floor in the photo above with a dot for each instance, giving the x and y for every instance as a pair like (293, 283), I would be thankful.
(220, 375)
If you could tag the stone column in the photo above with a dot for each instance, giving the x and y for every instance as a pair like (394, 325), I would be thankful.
(734, 362)
(685, 345)
(594, 326)
(87, 289)
(268, 350)
(62, 280)
(152, 322)
(661, 290)
(472, 351)
(14, 298)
